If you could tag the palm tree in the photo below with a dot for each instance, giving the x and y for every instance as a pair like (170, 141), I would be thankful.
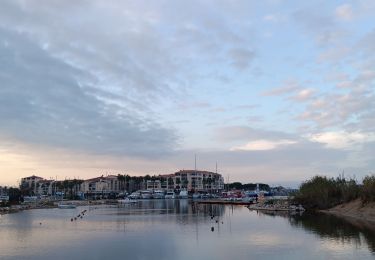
(170, 182)
(121, 179)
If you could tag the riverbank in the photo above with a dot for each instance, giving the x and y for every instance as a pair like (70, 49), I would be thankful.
(356, 212)
(52, 204)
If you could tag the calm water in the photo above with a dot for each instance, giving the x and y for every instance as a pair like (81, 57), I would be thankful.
(179, 230)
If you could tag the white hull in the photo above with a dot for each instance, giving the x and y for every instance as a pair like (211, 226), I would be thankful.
(67, 206)
(126, 201)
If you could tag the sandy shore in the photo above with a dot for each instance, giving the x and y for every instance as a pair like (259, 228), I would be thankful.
(355, 212)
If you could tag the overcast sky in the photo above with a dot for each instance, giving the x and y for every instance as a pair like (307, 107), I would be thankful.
(275, 91)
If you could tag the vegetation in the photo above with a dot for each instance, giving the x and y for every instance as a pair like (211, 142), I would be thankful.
(322, 192)
(247, 186)
(368, 189)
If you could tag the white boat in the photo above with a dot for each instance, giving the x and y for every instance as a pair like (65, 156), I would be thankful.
(127, 201)
(170, 195)
(158, 194)
(197, 196)
(135, 195)
(183, 194)
(146, 194)
(66, 206)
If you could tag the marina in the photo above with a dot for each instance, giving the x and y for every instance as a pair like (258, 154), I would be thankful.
(178, 229)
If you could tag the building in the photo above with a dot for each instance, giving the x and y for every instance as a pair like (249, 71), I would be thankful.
(101, 186)
(30, 184)
(195, 180)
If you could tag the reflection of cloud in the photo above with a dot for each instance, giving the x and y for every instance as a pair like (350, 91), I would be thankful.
(337, 247)
(264, 239)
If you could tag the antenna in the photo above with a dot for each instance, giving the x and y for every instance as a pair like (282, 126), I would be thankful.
(216, 168)
(195, 162)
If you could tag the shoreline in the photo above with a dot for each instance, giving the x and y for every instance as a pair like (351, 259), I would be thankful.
(359, 214)
(18, 208)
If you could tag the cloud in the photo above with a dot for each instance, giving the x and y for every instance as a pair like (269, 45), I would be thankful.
(342, 140)
(244, 133)
(289, 87)
(241, 58)
(303, 95)
(262, 145)
(270, 18)
(48, 102)
(344, 12)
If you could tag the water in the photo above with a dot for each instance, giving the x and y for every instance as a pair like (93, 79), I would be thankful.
(179, 230)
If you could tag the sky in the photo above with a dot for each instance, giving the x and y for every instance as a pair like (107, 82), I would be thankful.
(274, 91)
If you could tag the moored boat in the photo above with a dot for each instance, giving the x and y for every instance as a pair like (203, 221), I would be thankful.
(66, 206)
(183, 194)
(158, 194)
(170, 195)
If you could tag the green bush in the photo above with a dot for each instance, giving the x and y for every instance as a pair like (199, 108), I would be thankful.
(321, 192)
(368, 189)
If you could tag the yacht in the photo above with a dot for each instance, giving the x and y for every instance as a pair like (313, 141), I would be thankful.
(146, 194)
(62, 205)
(126, 201)
(170, 195)
(135, 195)
(158, 194)
(183, 194)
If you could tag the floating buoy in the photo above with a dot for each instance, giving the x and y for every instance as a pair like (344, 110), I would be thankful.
(212, 229)
(71, 219)
(40, 223)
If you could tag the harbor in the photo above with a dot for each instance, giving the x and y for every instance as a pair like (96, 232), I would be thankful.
(176, 229)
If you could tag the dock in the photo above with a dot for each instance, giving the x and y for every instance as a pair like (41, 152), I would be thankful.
(223, 202)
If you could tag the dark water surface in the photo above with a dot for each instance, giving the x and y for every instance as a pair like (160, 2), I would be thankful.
(168, 229)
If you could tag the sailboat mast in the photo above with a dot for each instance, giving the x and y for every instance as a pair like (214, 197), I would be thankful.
(195, 163)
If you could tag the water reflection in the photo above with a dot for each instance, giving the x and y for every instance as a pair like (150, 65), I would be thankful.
(331, 227)
(178, 229)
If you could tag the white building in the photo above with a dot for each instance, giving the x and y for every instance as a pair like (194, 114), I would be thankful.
(194, 180)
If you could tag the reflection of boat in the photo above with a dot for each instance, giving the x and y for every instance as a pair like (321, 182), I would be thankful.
(66, 206)
(170, 195)
(183, 194)
(126, 201)
(158, 194)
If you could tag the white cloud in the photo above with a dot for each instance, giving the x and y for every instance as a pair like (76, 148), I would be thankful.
(270, 18)
(344, 12)
(304, 94)
(341, 139)
(263, 145)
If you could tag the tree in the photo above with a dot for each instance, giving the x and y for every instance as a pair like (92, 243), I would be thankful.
(14, 195)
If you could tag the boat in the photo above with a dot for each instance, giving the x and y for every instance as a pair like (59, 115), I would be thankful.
(146, 194)
(170, 195)
(197, 196)
(66, 206)
(183, 194)
(127, 201)
(135, 195)
(158, 194)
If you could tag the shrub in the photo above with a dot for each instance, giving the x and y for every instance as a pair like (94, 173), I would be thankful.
(321, 192)
(368, 189)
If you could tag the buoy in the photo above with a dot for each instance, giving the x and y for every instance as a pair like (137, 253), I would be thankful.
(212, 229)
(71, 219)
(40, 223)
